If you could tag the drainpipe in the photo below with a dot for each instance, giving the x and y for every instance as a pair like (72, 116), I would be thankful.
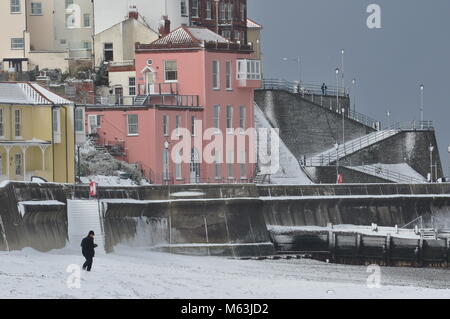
(67, 151)
(53, 146)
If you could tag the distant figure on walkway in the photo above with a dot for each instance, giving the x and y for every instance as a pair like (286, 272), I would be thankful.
(324, 89)
(87, 249)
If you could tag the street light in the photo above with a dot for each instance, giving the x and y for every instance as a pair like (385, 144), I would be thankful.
(422, 87)
(336, 146)
(354, 94)
(337, 89)
(343, 127)
(431, 149)
(343, 69)
(449, 163)
(299, 68)
(388, 113)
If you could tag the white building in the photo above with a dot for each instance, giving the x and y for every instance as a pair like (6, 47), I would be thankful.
(108, 13)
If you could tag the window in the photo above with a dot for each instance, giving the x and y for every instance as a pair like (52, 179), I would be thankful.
(87, 20)
(237, 36)
(132, 120)
(70, 21)
(18, 123)
(79, 120)
(178, 172)
(195, 8)
(36, 8)
(131, 86)
(217, 117)
(17, 44)
(218, 165)
(249, 70)
(178, 124)
(242, 12)
(19, 165)
(56, 124)
(166, 164)
(229, 118)
(222, 11)
(230, 12)
(68, 3)
(226, 34)
(194, 126)
(228, 75)
(170, 71)
(242, 117)
(230, 160)
(108, 52)
(208, 10)
(15, 6)
(2, 125)
(166, 125)
(216, 75)
(184, 12)
(87, 45)
(242, 166)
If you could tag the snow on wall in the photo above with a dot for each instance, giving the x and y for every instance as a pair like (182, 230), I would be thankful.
(290, 171)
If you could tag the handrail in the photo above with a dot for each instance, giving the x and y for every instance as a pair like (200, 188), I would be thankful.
(316, 93)
(413, 126)
(350, 147)
(386, 174)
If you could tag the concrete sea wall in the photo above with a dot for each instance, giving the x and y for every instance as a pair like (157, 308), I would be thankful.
(211, 219)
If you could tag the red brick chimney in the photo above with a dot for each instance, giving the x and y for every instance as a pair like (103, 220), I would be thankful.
(164, 28)
(133, 13)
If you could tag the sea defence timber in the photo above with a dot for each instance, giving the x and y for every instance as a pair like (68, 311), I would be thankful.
(220, 219)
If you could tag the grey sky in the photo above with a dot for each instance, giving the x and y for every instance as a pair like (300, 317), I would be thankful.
(413, 47)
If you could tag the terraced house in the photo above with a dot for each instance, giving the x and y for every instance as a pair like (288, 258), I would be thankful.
(37, 133)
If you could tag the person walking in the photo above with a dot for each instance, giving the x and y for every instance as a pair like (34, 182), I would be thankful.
(88, 250)
(324, 89)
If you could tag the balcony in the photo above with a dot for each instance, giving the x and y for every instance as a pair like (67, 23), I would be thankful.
(158, 89)
(249, 73)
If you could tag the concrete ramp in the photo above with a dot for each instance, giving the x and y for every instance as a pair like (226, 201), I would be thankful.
(83, 216)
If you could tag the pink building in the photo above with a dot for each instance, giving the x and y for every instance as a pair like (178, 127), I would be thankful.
(190, 79)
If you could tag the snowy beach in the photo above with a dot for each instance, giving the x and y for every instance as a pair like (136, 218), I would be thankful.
(134, 273)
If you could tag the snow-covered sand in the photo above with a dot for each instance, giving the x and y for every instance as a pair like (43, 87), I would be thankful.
(143, 274)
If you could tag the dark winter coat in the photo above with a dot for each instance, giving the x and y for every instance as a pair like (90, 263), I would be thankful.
(87, 247)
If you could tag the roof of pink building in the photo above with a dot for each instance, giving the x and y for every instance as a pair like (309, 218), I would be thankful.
(190, 35)
(253, 25)
(193, 37)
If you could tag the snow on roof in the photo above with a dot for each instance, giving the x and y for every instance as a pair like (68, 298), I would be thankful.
(253, 25)
(29, 93)
(190, 35)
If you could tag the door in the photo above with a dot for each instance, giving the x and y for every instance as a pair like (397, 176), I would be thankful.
(195, 167)
(92, 122)
(150, 80)
(118, 92)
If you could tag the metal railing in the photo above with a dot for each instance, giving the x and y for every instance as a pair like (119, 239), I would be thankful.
(159, 89)
(330, 157)
(302, 88)
(315, 94)
(413, 126)
(387, 174)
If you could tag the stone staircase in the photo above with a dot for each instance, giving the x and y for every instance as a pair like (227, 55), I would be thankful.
(330, 156)
(140, 99)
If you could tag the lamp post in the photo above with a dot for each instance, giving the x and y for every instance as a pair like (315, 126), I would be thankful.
(449, 163)
(422, 87)
(343, 68)
(431, 149)
(337, 89)
(343, 127)
(388, 113)
(354, 95)
(336, 146)
(299, 68)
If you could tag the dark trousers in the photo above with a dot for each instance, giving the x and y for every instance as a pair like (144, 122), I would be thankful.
(88, 264)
